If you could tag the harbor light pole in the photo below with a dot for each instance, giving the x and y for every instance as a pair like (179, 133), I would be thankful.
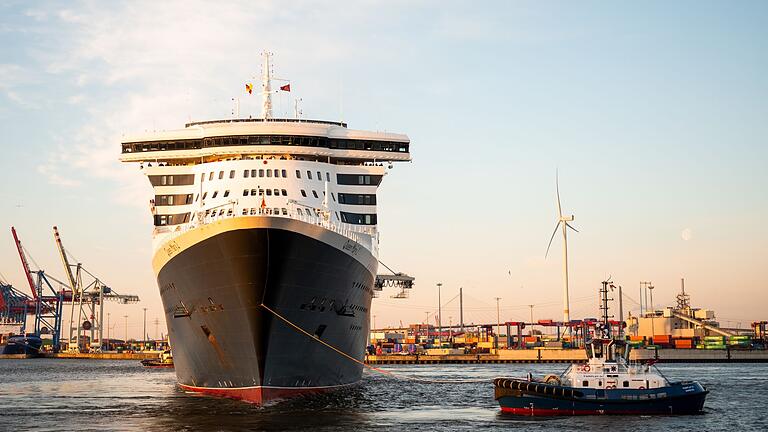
(653, 311)
(531, 330)
(498, 322)
(108, 339)
(144, 333)
(439, 316)
(126, 328)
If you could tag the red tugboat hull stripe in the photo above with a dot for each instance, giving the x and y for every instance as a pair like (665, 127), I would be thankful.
(544, 412)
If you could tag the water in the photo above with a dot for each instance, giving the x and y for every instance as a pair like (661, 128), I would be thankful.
(83, 395)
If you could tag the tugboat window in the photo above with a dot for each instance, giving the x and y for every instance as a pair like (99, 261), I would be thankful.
(585, 383)
(625, 384)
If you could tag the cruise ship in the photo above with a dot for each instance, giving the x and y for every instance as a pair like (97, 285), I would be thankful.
(265, 248)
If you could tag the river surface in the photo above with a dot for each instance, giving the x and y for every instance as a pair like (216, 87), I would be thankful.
(84, 395)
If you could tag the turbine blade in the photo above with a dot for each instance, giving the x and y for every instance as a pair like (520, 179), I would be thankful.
(552, 238)
(569, 226)
(557, 188)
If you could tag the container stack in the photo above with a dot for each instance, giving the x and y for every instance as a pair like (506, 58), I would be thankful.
(714, 342)
(741, 342)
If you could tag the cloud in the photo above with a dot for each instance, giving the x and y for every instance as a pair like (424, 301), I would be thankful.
(156, 65)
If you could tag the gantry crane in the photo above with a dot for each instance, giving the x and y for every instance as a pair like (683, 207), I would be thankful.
(86, 296)
(47, 308)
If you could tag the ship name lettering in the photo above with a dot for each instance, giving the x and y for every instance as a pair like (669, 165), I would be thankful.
(172, 248)
(351, 247)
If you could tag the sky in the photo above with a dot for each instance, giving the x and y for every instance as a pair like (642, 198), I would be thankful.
(653, 115)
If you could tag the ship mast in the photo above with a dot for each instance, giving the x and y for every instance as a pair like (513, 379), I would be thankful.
(266, 85)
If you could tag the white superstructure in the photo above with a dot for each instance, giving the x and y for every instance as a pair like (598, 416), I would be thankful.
(318, 172)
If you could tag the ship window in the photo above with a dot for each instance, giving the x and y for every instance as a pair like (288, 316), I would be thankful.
(367, 219)
(284, 192)
(277, 192)
(599, 383)
(261, 173)
(299, 212)
(253, 211)
(221, 212)
(276, 211)
(298, 174)
(226, 192)
(261, 192)
(319, 176)
(269, 173)
(245, 192)
(170, 199)
(221, 175)
(214, 194)
(189, 199)
(245, 211)
(205, 194)
(202, 177)
(625, 384)
(269, 192)
(253, 173)
(245, 173)
(277, 173)
(585, 383)
(232, 174)
(170, 180)
(309, 174)
(210, 176)
(196, 197)
(315, 194)
(327, 176)
(285, 211)
(303, 193)
(229, 212)
(285, 174)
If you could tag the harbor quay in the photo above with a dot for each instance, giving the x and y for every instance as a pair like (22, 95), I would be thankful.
(660, 355)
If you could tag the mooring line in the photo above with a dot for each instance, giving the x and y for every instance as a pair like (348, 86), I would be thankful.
(375, 369)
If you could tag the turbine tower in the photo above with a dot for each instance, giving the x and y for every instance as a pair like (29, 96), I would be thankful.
(562, 223)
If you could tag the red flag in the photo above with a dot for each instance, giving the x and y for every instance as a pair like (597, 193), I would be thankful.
(286, 87)
(249, 88)
(263, 202)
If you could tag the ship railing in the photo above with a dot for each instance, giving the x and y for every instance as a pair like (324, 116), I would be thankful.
(365, 235)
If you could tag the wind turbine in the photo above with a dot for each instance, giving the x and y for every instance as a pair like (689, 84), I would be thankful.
(562, 223)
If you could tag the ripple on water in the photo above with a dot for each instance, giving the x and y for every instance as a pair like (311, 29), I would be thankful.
(54, 395)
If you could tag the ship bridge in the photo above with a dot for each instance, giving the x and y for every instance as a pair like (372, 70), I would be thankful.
(209, 140)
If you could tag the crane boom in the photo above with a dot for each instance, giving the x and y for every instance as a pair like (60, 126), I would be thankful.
(64, 260)
(24, 263)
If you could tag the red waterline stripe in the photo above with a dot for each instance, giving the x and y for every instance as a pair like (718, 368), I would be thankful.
(547, 412)
(258, 395)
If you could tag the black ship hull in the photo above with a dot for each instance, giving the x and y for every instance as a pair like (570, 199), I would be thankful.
(217, 282)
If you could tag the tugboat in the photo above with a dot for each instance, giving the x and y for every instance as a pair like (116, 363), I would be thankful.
(165, 361)
(607, 384)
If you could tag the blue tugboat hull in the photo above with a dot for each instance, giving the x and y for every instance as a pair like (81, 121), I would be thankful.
(535, 399)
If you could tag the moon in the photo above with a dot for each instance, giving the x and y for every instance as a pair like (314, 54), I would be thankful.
(686, 234)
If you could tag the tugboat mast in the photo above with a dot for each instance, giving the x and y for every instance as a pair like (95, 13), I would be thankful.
(604, 308)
